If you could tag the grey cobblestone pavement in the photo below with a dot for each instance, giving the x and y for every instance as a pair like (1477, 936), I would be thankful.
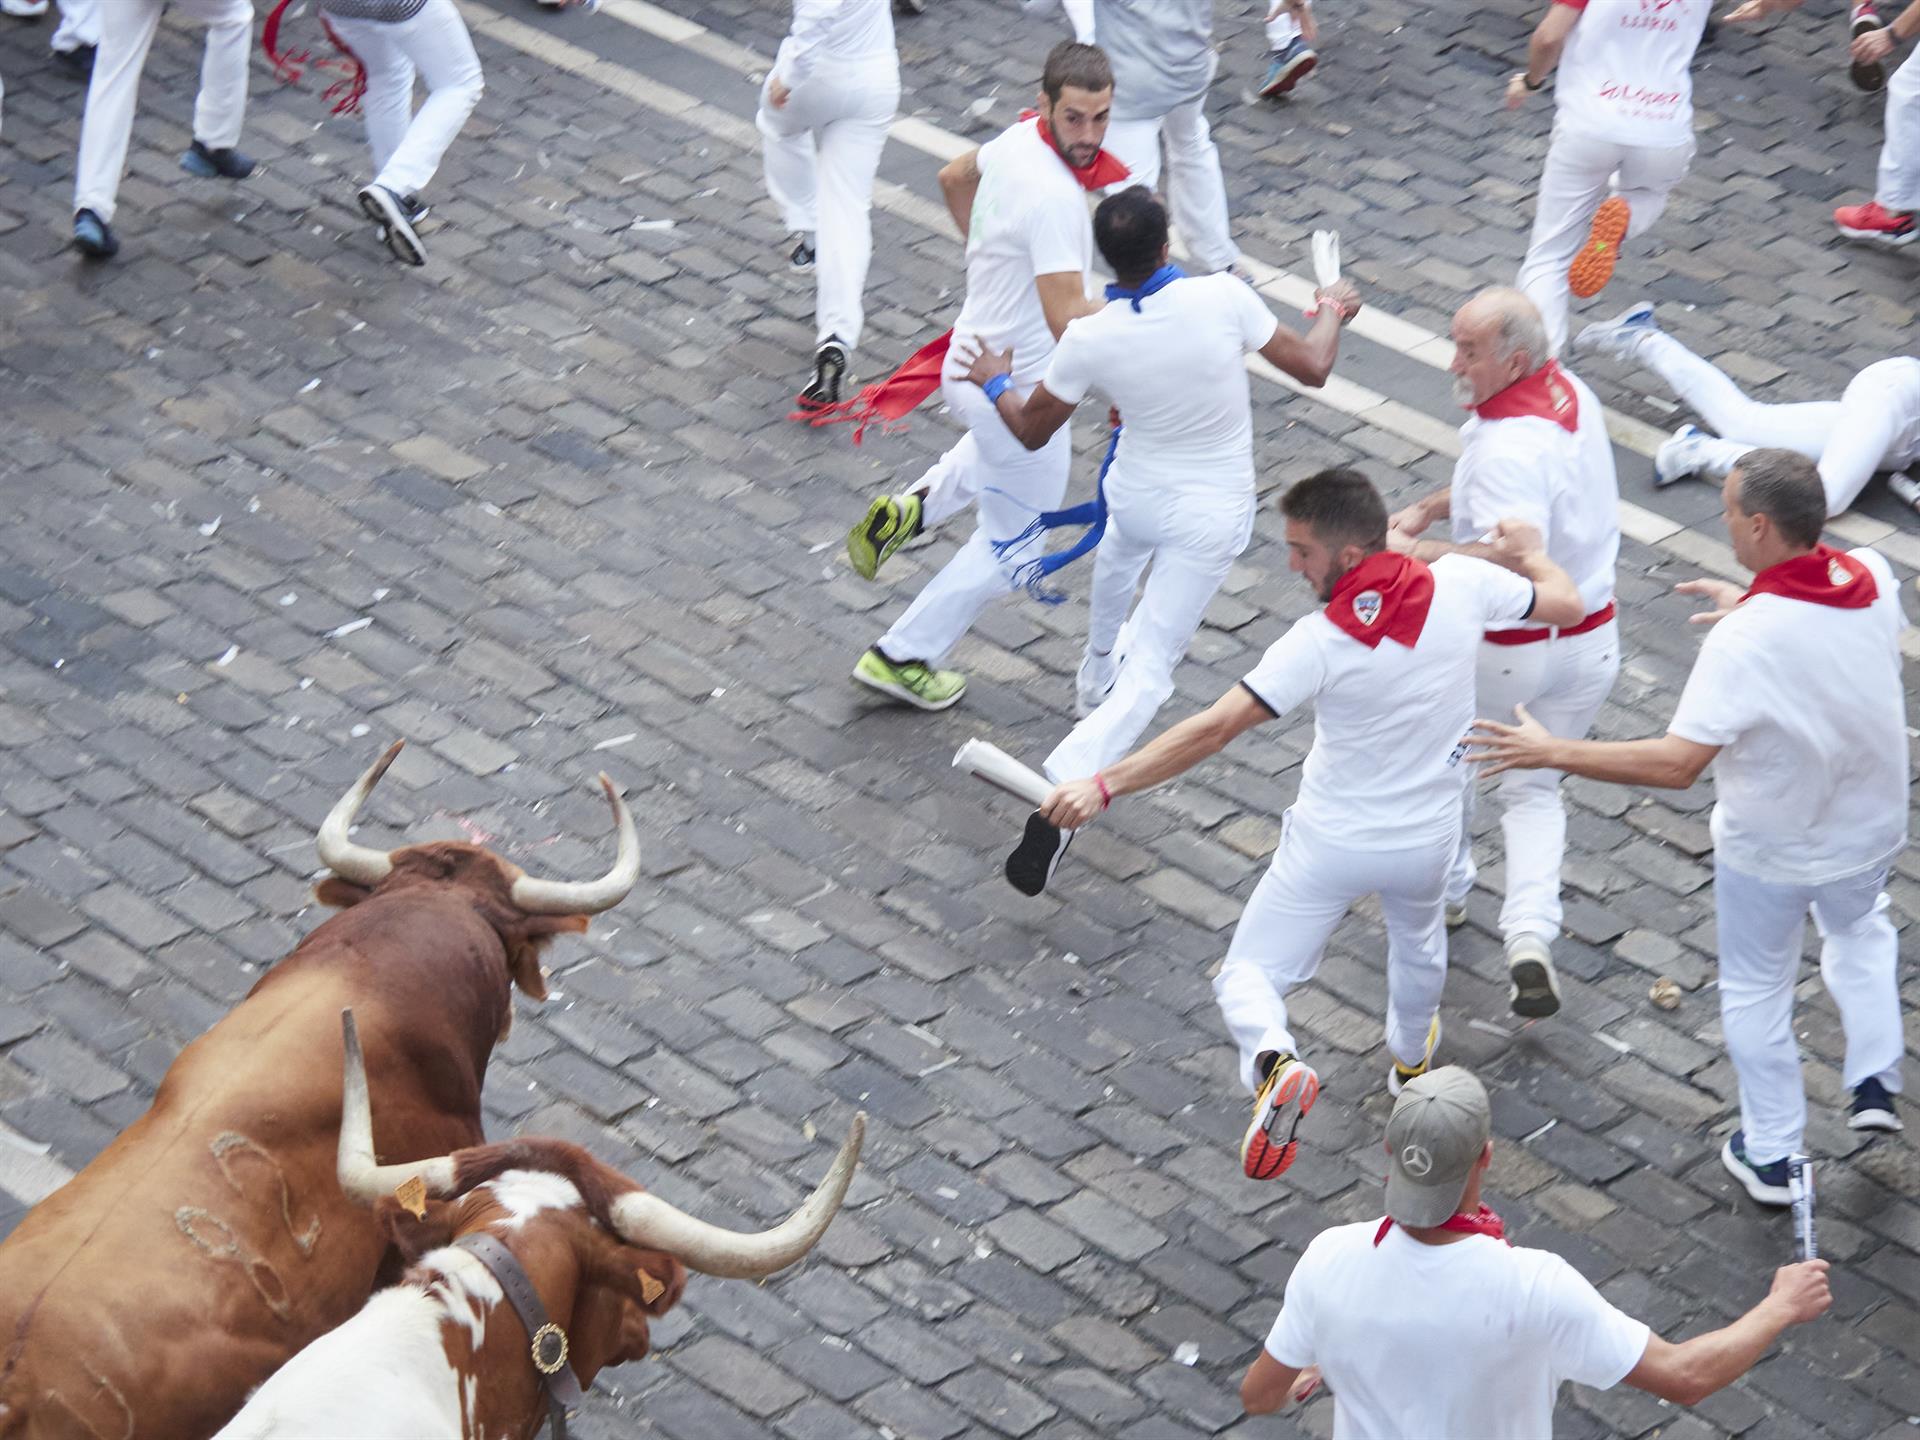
(550, 469)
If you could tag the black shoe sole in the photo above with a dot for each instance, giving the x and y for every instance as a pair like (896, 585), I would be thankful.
(829, 370)
(1034, 859)
(394, 225)
(1533, 994)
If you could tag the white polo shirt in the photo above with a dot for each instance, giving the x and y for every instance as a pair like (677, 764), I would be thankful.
(1625, 74)
(1807, 704)
(1467, 1341)
(1387, 768)
(1176, 370)
(1029, 218)
(830, 33)
(1531, 468)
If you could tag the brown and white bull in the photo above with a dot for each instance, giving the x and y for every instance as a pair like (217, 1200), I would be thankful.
(535, 1267)
(211, 1241)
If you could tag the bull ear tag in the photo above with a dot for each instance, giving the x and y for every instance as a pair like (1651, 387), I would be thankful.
(549, 1349)
(650, 1288)
(412, 1196)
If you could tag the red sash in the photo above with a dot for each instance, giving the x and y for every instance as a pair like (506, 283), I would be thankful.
(1543, 395)
(1482, 1222)
(348, 89)
(1385, 597)
(1822, 576)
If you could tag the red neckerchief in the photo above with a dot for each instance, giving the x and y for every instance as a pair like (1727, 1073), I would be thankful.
(346, 92)
(1482, 1222)
(1823, 575)
(1544, 395)
(1105, 170)
(1385, 597)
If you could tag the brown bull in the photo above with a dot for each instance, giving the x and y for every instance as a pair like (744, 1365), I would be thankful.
(535, 1267)
(208, 1243)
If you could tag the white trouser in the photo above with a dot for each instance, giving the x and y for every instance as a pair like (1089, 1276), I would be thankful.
(126, 34)
(1850, 438)
(1196, 193)
(79, 25)
(1281, 30)
(821, 152)
(1009, 485)
(1898, 187)
(1563, 682)
(1760, 929)
(1191, 541)
(1580, 172)
(1294, 910)
(407, 147)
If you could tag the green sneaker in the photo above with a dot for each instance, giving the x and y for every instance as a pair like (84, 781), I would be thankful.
(918, 684)
(890, 522)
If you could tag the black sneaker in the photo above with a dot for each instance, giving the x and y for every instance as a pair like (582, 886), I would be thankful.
(77, 62)
(392, 216)
(1872, 1108)
(909, 7)
(829, 369)
(1037, 856)
(1769, 1183)
(94, 237)
(209, 164)
(801, 257)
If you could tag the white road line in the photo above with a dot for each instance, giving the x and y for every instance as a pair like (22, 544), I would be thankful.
(27, 1171)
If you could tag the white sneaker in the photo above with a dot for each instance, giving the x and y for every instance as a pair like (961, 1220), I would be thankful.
(1619, 338)
(1682, 456)
(1456, 914)
(1534, 989)
(1094, 683)
(1905, 487)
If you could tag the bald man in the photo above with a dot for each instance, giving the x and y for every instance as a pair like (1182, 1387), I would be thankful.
(1536, 451)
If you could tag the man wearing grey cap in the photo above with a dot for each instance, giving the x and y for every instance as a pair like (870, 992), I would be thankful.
(1363, 1299)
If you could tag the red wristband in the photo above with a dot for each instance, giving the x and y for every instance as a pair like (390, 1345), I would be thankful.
(1106, 795)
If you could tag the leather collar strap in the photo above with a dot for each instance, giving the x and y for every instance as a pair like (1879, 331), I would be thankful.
(549, 1341)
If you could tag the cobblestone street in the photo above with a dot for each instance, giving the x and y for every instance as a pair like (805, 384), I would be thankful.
(269, 500)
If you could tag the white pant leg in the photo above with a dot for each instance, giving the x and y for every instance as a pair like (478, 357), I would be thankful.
(1572, 185)
(106, 126)
(1647, 176)
(1413, 905)
(1713, 396)
(848, 160)
(1898, 185)
(1760, 926)
(1196, 193)
(1136, 145)
(79, 25)
(388, 103)
(1196, 549)
(221, 106)
(1872, 416)
(1118, 563)
(1859, 962)
(439, 48)
(1008, 485)
(787, 147)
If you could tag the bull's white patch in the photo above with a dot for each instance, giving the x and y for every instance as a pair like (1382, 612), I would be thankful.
(523, 1194)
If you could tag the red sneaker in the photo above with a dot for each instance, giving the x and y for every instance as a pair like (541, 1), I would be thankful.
(1285, 1096)
(1873, 221)
(1593, 266)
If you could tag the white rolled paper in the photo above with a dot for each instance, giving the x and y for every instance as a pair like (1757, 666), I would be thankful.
(1000, 770)
(1326, 257)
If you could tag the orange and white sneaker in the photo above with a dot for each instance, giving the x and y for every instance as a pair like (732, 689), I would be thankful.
(1281, 1104)
(1593, 266)
(1399, 1076)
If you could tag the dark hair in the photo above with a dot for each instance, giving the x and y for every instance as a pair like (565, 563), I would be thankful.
(1784, 486)
(1084, 67)
(1131, 230)
(1341, 507)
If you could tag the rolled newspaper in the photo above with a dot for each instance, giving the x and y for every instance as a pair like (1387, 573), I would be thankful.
(999, 769)
(1800, 1186)
(1326, 262)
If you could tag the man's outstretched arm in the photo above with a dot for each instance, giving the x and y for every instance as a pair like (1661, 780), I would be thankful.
(1074, 803)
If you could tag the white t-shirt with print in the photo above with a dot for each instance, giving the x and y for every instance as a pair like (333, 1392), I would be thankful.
(1807, 704)
(1625, 73)
(1176, 370)
(1029, 218)
(1466, 1341)
(1387, 766)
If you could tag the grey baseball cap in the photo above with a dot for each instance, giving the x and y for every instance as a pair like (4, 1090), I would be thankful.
(1437, 1130)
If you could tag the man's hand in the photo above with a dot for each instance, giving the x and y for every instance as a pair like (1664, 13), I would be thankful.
(1343, 295)
(1800, 1292)
(1517, 90)
(1304, 1384)
(1513, 541)
(989, 363)
(1751, 10)
(1522, 746)
(1073, 804)
(778, 92)
(1411, 522)
(1724, 594)
(1872, 46)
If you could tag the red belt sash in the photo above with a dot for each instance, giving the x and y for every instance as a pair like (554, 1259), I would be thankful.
(1530, 637)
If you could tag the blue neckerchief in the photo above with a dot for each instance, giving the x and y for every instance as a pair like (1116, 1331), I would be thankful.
(1158, 280)
(1092, 514)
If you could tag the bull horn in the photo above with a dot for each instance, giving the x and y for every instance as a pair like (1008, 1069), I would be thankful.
(361, 1178)
(587, 897)
(361, 864)
(647, 1220)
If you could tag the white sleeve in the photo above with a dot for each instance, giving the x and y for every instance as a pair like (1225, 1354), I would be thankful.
(1058, 235)
(1717, 706)
(1255, 320)
(1291, 672)
(1590, 1342)
(1504, 595)
(1501, 486)
(1069, 376)
(812, 19)
(1889, 586)
(1290, 1341)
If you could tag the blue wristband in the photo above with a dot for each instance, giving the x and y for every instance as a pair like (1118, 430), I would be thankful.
(997, 385)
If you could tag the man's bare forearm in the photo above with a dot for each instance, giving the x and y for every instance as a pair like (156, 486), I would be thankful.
(1171, 754)
(1619, 762)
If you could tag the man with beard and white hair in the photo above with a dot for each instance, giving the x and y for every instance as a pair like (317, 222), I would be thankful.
(1429, 1322)
(1169, 352)
(1622, 137)
(1387, 665)
(1020, 203)
(1873, 426)
(1797, 701)
(1535, 450)
(1163, 61)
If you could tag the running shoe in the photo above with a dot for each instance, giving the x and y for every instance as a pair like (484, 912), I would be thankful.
(1288, 67)
(1279, 1106)
(210, 164)
(1765, 1183)
(890, 522)
(1681, 456)
(1534, 989)
(1619, 338)
(829, 371)
(1872, 1108)
(914, 682)
(1593, 266)
(1032, 862)
(1873, 221)
(1399, 1076)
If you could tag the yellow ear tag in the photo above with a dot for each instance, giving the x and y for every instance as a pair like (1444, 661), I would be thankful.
(650, 1288)
(412, 1195)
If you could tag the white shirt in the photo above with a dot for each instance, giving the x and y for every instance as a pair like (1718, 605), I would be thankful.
(830, 32)
(1386, 764)
(1893, 386)
(1531, 468)
(1467, 1341)
(1624, 74)
(1029, 218)
(1807, 704)
(1176, 370)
